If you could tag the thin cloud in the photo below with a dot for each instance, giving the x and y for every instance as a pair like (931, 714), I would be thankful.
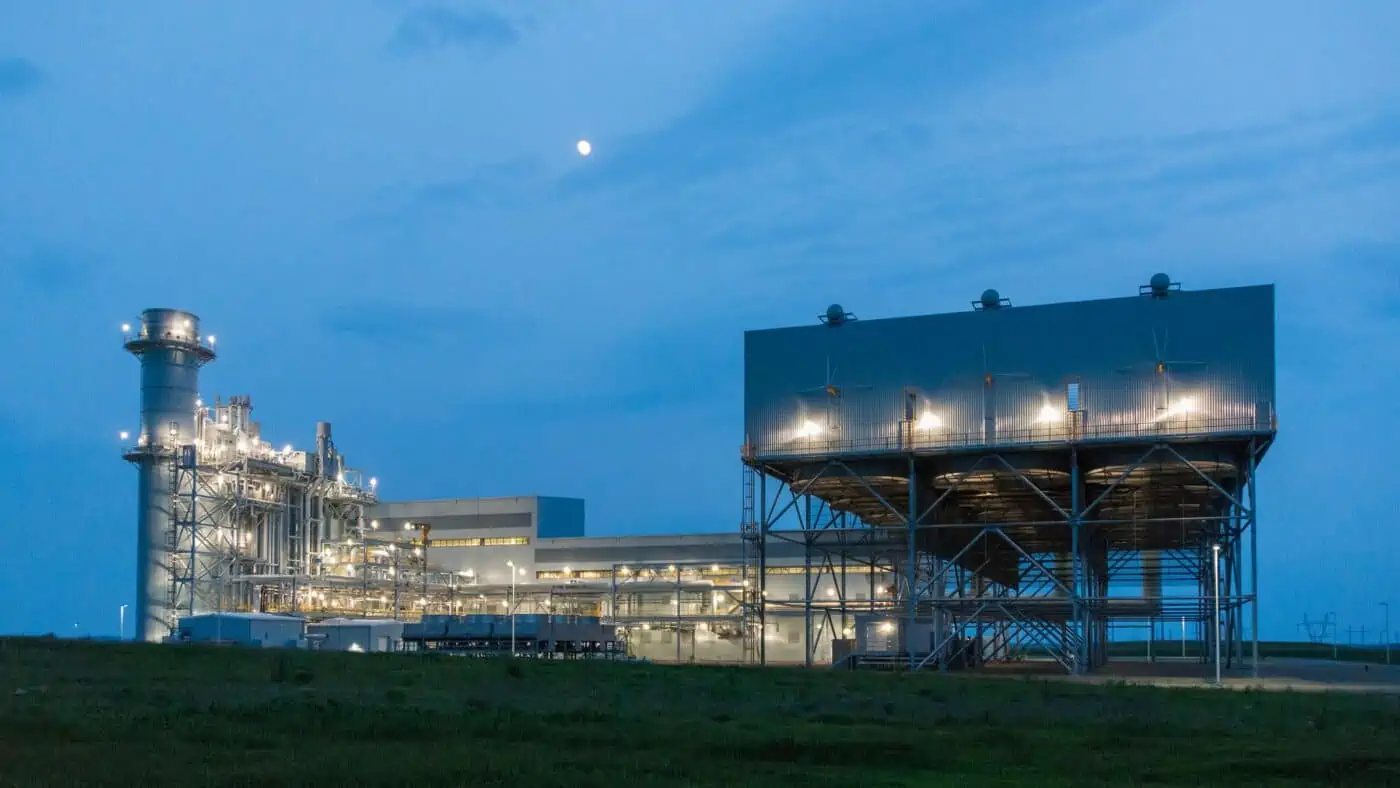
(19, 77)
(48, 273)
(432, 28)
(390, 322)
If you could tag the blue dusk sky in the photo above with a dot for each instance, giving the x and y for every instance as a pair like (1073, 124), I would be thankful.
(377, 206)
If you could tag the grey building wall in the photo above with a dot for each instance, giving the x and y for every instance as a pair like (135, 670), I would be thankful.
(939, 364)
(248, 629)
(368, 635)
(458, 520)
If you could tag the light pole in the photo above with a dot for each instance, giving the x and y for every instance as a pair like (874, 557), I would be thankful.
(511, 564)
(121, 624)
(1386, 605)
(1215, 572)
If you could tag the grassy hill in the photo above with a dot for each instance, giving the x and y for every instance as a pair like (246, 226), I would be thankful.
(75, 713)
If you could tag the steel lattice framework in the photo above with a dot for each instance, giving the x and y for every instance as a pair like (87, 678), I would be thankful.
(999, 559)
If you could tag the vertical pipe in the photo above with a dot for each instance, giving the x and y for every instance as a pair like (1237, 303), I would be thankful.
(844, 588)
(1076, 520)
(194, 534)
(1215, 583)
(762, 598)
(1252, 523)
(911, 577)
(1237, 594)
(807, 582)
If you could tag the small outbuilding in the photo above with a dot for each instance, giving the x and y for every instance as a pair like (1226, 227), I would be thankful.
(259, 630)
(356, 634)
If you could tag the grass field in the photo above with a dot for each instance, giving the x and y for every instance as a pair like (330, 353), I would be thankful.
(75, 713)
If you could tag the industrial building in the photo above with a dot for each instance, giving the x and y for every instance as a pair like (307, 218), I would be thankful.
(217, 504)
(1034, 477)
(1002, 483)
(356, 634)
(260, 630)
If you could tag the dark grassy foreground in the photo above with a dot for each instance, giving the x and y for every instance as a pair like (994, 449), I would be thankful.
(1267, 650)
(131, 715)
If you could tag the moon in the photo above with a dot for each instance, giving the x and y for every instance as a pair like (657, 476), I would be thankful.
(584, 147)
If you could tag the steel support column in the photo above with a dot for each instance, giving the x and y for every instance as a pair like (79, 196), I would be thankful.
(911, 584)
(1253, 525)
(1076, 524)
(761, 601)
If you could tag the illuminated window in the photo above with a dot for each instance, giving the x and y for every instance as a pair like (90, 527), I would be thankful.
(494, 541)
(855, 569)
(582, 574)
(454, 543)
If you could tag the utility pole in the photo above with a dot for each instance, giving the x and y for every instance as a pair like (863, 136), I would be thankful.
(511, 564)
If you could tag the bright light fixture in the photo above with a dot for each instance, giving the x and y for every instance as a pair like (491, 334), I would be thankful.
(1182, 407)
(211, 339)
(187, 324)
(929, 421)
(287, 449)
(199, 403)
(1047, 414)
(126, 328)
(373, 481)
(584, 147)
(125, 435)
(374, 524)
(809, 429)
(831, 592)
(887, 627)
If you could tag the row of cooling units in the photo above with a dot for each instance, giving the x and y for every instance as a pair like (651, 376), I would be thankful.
(549, 636)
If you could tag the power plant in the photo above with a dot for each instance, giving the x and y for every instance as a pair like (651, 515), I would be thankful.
(217, 505)
(1001, 484)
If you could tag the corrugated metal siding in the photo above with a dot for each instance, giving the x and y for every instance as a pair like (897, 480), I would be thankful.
(988, 375)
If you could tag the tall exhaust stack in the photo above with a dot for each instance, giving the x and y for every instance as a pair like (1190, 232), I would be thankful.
(171, 349)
